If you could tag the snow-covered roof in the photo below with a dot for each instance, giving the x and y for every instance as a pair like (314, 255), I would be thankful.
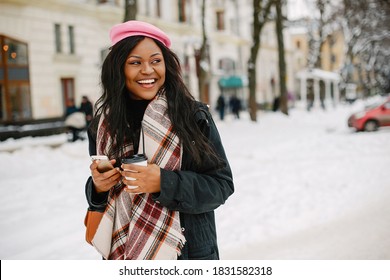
(318, 74)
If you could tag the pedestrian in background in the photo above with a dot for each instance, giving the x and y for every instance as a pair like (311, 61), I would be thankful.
(87, 108)
(235, 105)
(74, 120)
(221, 104)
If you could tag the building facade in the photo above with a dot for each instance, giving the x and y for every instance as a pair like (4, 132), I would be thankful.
(64, 42)
(52, 50)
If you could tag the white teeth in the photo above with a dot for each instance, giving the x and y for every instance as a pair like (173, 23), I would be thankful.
(146, 81)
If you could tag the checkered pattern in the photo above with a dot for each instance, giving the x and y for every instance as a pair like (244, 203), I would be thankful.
(134, 226)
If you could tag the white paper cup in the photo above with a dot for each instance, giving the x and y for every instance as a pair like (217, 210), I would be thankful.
(139, 159)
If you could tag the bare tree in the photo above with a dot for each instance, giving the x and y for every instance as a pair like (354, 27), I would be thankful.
(130, 10)
(261, 12)
(366, 30)
(282, 61)
(364, 24)
(320, 29)
(203, 61)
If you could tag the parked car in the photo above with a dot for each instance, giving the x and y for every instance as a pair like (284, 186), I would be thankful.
(372, 117)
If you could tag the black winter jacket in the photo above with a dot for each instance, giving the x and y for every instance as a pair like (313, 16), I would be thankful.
(193, 191)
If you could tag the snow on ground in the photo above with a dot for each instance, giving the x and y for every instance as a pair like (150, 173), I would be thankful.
(306, 187)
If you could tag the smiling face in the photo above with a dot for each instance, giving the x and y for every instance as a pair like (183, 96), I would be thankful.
(145, 70)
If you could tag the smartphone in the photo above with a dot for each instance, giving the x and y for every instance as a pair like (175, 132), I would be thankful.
(104, 163)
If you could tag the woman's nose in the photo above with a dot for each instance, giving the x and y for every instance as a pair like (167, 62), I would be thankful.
(147, 69)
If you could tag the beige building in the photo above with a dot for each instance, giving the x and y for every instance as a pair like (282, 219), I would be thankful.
(333, 52)
(63, 44)
(52, 50)
(326, 80)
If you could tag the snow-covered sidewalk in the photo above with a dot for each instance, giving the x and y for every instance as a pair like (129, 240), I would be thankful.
(306, 187)
(360, 235)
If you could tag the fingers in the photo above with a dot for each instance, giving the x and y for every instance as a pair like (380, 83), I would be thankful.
(134, 167)
(105, 180)
(145, 179)
(133, 180)
(93, 165)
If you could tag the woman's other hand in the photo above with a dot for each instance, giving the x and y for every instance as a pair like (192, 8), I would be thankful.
(147, 178)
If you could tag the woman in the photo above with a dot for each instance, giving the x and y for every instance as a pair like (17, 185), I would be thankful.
(167, 212)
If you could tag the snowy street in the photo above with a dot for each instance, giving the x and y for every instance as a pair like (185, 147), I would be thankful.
(306, 187)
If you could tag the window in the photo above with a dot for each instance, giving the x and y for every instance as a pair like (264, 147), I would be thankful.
(19, 94)
(333, 58)
(220, 16)
(67, 85)
(158, 8)
(15, 52)
(227, 65)
(71, 39)
(15, 103)
(182, 11)
(57, 30)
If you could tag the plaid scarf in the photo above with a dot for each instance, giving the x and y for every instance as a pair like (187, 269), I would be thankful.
(133, 225)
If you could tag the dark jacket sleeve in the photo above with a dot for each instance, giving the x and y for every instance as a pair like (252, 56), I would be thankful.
(96, 201)
(193, 191)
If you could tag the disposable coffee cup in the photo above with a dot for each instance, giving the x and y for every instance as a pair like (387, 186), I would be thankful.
(139, 159)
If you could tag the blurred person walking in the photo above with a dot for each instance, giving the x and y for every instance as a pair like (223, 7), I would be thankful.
(87, 108)
(235, 105)
(74, 120)
(221, 104)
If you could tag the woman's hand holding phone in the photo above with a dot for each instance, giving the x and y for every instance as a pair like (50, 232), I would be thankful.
(104, 163)
(104, 175)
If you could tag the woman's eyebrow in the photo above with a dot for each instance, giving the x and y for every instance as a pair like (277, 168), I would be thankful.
(139, 57)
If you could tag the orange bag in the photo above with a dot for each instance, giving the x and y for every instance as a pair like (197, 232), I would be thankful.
(92, 221)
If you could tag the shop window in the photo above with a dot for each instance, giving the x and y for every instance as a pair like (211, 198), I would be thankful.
(20, 101)
(15, 103)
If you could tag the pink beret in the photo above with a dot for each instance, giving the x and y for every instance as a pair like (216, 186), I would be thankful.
(134, 28)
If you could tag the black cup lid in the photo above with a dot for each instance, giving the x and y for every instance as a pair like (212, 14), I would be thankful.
(135, 158)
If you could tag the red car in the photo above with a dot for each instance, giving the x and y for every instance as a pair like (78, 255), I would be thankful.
(372, 117)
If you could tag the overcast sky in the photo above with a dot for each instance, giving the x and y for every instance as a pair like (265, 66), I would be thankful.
(299, 8)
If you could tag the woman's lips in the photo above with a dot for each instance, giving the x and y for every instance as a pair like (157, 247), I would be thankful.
(147, 83)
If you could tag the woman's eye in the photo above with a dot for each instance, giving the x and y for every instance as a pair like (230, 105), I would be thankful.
(156, 61)
(134, 63)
